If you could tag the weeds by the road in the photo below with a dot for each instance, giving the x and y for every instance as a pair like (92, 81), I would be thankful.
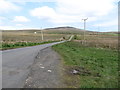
(4, 46)
(96, 67)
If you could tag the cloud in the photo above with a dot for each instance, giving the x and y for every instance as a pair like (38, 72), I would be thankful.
(43, 12)
(107, 24)
(85, 7)
(12, 27)
(72, 11)
(51, 15)
(6, 6)
(21, 19)
(7, 28)
(19, 25)
(31, 0)
(1, 19)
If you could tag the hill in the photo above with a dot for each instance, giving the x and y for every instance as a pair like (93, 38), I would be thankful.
(60, 30)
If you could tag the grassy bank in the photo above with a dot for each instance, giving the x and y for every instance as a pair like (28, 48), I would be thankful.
(97, 66)
(4, 46)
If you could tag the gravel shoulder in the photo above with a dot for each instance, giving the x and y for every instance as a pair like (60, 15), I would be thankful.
(45, 71)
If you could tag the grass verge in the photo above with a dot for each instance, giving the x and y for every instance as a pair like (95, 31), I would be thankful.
(98, 67)
(5, 46)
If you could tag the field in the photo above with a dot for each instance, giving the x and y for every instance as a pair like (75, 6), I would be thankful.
(94, 58)
(100, 40)
(29, 36)
(21, 38)
(97, 67)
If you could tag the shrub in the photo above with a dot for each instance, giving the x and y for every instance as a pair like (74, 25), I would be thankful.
(75, 37)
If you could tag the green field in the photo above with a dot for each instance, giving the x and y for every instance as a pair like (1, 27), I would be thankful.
(98, 67)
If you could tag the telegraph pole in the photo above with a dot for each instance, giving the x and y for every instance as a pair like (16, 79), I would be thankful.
(84, 27)
(42, 34)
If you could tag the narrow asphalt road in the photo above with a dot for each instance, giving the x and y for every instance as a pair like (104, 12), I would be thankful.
(16, 64)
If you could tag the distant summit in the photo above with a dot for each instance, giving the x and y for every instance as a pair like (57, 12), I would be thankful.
(59, 28)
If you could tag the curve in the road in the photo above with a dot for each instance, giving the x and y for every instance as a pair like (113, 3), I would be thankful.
(16, 64)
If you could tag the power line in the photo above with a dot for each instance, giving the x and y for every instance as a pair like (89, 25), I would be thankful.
(42, 34)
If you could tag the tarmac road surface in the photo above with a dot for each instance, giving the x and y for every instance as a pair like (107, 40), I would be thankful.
(16, 64)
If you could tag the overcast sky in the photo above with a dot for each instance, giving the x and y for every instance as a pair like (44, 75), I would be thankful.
(26, 14)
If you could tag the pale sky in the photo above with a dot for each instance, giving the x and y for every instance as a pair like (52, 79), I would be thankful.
(27, 14)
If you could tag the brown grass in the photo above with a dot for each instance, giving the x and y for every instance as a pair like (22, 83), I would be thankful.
(29, 36)
(100, 41)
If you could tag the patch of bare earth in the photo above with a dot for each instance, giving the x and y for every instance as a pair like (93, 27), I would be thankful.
(72, 75)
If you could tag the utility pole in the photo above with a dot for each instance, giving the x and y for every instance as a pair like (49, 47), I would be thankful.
(84, 27)
(42, 34)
